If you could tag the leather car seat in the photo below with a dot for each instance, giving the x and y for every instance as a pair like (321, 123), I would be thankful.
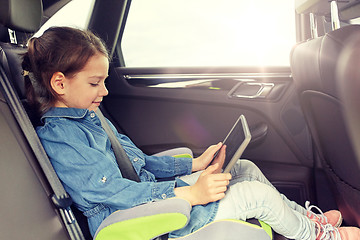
(313, 65)
(348, 80)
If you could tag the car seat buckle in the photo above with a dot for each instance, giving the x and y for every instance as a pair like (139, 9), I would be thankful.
(64, 203)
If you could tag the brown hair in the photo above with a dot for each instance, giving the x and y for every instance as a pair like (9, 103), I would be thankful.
(59, 49)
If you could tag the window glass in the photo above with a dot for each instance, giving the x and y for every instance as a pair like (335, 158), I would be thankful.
(162, 33)
(74, 14)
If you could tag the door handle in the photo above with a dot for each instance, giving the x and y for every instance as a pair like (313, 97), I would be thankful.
(258, 134)
(251, 90)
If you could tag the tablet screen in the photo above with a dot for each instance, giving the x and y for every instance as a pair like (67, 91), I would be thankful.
(236, 141)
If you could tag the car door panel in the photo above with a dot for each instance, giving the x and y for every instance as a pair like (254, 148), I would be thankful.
(145, 105)
(204, 116)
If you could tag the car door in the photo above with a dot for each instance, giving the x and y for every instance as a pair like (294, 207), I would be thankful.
(162, 103)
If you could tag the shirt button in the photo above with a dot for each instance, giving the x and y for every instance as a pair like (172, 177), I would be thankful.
(163, 196)
(103, 179)
(136, 159)
(92, 115)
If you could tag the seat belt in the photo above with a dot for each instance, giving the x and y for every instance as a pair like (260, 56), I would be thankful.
(60, 198)
(126, 168)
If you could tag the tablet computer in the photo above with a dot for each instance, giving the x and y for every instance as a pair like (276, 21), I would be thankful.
(236, 142)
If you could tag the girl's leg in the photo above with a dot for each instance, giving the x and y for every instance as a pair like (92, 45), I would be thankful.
(253, 199)
(245, 170)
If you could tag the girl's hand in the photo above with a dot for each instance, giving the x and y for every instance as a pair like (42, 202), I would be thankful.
(201, 162)
(220, 159)
(210, 187)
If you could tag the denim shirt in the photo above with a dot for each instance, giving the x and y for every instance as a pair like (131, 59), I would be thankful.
(81, 154)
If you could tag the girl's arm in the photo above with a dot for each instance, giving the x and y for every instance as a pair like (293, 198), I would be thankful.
(92, 176)
(211, 185)
(203, 161)
(160, 166)
(167, 166)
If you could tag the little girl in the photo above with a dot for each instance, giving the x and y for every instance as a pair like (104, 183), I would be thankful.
(65, 71)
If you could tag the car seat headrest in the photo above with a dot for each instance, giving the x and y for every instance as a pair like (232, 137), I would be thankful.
(313, 62)
(21, 15)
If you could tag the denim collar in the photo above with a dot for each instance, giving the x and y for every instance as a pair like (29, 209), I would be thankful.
(65, 112)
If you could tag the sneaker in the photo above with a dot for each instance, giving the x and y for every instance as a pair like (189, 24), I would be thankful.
(332, 217)
(352, 233)
(328, 232)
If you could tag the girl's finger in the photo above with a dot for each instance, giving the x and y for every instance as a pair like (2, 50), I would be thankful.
(211, 169)
(221, 176)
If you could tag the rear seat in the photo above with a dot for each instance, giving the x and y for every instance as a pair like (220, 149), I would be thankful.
(28, 211)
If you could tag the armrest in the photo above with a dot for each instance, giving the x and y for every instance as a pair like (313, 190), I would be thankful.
(146, 221)
(176, 152)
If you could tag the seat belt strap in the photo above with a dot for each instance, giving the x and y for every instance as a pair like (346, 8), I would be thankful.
(126, 168)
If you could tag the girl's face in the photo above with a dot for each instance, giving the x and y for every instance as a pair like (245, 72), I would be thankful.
(87, 88)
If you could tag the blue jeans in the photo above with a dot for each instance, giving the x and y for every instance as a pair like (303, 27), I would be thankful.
(251, 195)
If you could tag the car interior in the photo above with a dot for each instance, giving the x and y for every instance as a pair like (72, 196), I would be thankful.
(304, 121)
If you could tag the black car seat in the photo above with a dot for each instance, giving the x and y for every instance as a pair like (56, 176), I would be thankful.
(29, 212)
(348, 80)
(313, 65)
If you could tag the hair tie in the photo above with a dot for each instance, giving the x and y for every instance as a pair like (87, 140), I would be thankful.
(31, 76)
(25, 73)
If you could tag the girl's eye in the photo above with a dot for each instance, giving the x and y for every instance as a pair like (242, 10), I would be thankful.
(94, 84)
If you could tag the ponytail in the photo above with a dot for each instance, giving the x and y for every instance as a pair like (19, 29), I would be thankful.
(37, 91)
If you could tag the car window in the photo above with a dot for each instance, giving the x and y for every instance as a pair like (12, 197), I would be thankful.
(160, 33)
(355, 21)
(74, 14)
